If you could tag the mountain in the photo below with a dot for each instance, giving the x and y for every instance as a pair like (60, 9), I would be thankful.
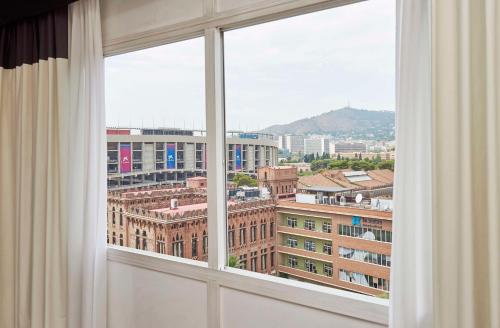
(343, 122)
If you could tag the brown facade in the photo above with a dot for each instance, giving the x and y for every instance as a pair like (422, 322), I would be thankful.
(144, 220)
(281, 181)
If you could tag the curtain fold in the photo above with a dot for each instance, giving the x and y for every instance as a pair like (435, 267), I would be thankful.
(466, 151)
(446, 242)
(85, 146)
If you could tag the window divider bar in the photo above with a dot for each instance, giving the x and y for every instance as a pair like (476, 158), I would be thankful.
(216, 147)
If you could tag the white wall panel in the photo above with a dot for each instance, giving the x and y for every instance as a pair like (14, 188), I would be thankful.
(122, 18)
(244, 310)
(146, 298)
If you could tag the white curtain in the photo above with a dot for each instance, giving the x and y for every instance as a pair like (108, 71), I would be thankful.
(85, 146)
(52, 171)
(446, 246)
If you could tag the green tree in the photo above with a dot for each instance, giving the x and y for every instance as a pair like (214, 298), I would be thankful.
(241, 179)
(338, 157)
(233, 261)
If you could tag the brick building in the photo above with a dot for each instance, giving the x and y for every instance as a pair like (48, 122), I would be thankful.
(281, 181)
(173, 221)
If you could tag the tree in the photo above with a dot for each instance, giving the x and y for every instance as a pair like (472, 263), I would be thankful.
(338, 157)
(241, 179)
(387, 165)
(233, 261)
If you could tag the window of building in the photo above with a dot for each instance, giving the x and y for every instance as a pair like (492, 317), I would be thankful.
(144, 240)
(243, 235)
(263, 260)
(291, 242)
(204, 245)
(365, 256)
(310, 245)
(230, 237)
(309, 224)
(292, 262)
(327, 248)
(121, 216)
(327, 227)
(243, 262)
(114, 238)
(178, 246)
(121, 239)
(160, 244)
(365, 233)
(253, 232)
(310, 266)
(291, 222)
(328, 269)
(137, 239)
(194, 246)
(271, 229)
(272, 256)
(253, 261)
(263, 231)
(364, 280)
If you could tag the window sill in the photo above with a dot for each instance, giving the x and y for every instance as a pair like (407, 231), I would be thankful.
(370, 309)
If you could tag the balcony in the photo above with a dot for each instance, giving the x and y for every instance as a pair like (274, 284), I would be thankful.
(306, 275)
(304, 232)
(304, 253)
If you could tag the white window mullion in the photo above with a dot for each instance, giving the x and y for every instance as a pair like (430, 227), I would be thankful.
(216, 140)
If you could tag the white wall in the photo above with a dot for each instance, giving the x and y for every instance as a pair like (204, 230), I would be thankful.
(162, 291)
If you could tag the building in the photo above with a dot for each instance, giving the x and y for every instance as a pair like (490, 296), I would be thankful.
(385, 156)
(295, 143)
(281, 181)
(350, 147)
(169, 156)
(318, 146)
(282, 144)
(173, 221)
(344, 247)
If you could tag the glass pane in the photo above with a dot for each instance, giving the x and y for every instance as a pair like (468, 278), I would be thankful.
(310, 122)
(155, 113)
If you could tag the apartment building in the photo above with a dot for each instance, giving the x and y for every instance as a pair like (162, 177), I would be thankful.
(345, 247)
(318, 146)
(350, 147)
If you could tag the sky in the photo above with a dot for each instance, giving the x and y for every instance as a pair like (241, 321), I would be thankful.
(275, 72)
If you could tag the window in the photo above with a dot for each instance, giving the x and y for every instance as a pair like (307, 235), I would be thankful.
(364, 280)
(205, 243)
(114, 238)
(243, 235)
(328, 270)
(156, 140)
(194, 246)
(291, 222)
(310, 245)
(268, 86)
(365, 233)
(291, 242)
(327, 227)
(327, 248)
(365, 256)
(121, 239)
(310, 266)
(292, 262)
(309, 224)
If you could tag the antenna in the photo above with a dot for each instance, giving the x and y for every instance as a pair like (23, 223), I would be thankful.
(359, 198)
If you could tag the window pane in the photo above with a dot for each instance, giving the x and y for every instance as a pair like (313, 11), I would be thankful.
(155, 113)
(310, 122)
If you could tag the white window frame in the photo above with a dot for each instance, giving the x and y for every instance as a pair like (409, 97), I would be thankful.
(214, 273)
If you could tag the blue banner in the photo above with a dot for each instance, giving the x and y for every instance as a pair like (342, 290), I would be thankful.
(356, 220)
(171, 156)
(238, 157)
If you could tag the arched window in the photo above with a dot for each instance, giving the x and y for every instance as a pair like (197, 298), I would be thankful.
(178, 246)
(137, 239)
(160, 245)
(113, 215)
(114, 238)
(121, 216)
(144, 240)
(194, 245)
(204, 245)
(121, 239)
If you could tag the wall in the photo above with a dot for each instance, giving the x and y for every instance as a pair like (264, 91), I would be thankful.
(144, 292)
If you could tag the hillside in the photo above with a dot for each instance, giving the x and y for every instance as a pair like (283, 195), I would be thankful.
(344, 122)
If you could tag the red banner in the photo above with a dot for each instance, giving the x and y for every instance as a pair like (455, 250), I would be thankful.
(125, 159)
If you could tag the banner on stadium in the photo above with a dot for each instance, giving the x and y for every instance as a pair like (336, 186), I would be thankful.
(238, 157)
(125, 159)
(170, 156)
